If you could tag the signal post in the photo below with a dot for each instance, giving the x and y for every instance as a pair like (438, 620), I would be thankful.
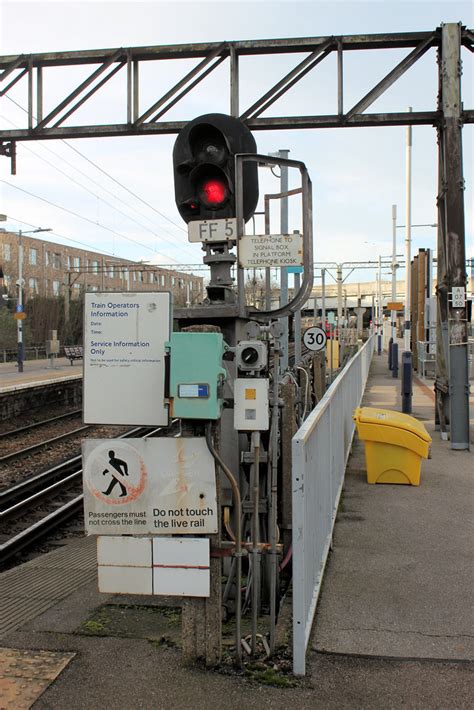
(223, 388)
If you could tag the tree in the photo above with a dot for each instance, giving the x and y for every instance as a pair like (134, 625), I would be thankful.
(255, 291)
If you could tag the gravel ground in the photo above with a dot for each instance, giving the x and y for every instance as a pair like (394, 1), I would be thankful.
(18, 470)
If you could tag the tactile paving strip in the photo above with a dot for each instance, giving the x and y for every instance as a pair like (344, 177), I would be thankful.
(28, 590)
(24, 675)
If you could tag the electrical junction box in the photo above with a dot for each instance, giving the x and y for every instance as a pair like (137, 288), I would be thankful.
(196, 375)
(251, 408)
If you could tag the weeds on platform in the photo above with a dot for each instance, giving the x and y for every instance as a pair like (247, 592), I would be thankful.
(159, 625)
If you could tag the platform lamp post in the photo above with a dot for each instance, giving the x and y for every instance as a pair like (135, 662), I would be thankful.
(19, 283)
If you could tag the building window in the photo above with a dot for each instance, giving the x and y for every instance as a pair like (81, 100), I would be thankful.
(56, 288)
(47, 258)
(7, 252)
(111, 271)
(163, 280)
(77, 263)
(56, 261)
(33, 286)
(33, 257)
(95, 267)
(69, 263)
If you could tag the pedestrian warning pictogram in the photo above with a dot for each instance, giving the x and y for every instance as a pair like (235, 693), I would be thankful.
(116, 473)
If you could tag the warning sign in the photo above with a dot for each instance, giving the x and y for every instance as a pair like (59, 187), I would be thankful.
(159, 486)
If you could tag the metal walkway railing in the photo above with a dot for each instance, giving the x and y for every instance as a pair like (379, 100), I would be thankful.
(320, 449)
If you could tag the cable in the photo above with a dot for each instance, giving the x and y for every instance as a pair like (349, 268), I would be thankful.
(106, 173)
(137, 197)
(86, 219)
(307, 389)
(113, 207)
(89, 247)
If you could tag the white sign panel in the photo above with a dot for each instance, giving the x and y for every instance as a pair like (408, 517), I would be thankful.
(139, 486)
(262, 250)
(458, 295)
(124, 357)
(212, 230)
(315, 339)
(181, 567)
(166, 566)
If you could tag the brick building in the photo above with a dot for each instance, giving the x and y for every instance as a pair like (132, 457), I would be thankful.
(49, 269)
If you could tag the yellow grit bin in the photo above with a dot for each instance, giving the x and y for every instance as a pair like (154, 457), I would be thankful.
(395, 443)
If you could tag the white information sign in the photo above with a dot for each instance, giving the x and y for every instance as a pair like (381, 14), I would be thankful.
(212, 230)
(458, 295)
(315, 338)
(139, 486)
(262, 250)
(124, 357)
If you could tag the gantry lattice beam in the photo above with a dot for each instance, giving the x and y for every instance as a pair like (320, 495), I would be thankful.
(30, 73)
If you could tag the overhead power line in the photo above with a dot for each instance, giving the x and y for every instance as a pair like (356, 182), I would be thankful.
(89, 247)
(85, 219)
(111, 177)
(69, 177)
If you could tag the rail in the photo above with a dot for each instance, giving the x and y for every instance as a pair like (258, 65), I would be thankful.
(320, 450)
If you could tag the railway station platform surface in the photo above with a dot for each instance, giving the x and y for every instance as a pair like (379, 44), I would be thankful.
(393, 627)
(37, 371)
(400, 579)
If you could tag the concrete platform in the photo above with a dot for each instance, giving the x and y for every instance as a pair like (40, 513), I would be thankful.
(393, 627)
(400, 578)
(37, 372)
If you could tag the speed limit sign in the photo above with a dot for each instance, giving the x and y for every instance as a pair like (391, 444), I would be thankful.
(315, 338)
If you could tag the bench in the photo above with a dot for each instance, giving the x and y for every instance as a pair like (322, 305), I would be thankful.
(74, 352)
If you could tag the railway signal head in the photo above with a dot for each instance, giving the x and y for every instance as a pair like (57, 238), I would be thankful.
(204, 168)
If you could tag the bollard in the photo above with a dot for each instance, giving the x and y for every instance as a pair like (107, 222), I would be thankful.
(390, 343)
(394, 359)
(406, 382)
(379, 344)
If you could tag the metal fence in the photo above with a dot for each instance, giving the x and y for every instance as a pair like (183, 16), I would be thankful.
(320, 451)
(31, 353)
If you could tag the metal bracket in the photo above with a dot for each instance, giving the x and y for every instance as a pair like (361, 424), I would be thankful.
(307, 282)
(8, 149)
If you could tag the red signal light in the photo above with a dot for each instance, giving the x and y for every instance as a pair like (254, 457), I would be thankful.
(214, 192)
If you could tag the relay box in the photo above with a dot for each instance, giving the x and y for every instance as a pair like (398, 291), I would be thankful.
(196, 375)
(251, 410)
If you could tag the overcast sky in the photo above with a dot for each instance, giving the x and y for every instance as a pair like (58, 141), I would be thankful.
(357, 173)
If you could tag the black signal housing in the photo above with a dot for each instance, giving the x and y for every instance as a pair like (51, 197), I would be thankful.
(204, 168)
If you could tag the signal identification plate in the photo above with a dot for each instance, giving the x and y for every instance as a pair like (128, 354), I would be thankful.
(212, 230)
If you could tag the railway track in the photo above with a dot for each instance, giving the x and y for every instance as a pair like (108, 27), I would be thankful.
(34, 425)
(55, 488)
(19, 453)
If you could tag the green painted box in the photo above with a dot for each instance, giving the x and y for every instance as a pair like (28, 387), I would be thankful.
(196, 375)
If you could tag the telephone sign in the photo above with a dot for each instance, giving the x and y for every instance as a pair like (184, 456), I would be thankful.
(315, 338)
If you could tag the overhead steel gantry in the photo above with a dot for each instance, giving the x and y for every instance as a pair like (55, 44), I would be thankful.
(29, 70)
